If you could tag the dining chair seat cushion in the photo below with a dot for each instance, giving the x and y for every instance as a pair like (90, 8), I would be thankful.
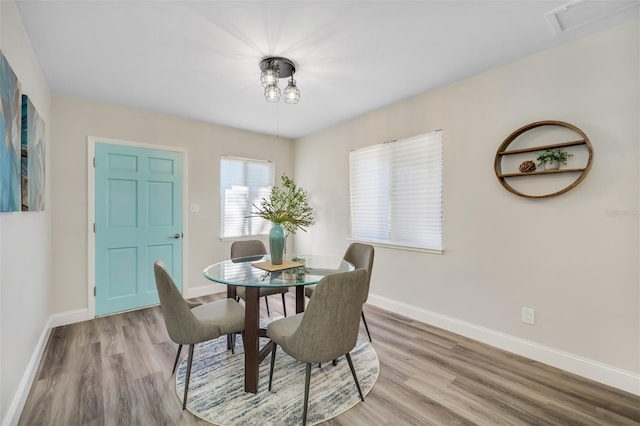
(241, 292)
(192, 304)
(308, 290)
(282, 330)
(225, 316)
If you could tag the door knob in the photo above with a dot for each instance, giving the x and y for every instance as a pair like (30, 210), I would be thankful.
(176, 236)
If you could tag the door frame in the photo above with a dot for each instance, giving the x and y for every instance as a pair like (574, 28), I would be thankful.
(91, 210)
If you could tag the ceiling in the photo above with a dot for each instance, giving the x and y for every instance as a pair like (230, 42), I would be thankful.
(200, 59)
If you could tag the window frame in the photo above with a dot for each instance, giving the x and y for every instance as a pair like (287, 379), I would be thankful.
(380, 231)
(257, 222)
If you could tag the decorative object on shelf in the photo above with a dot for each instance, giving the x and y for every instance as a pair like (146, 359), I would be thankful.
(289, 210)
(273, 69)
(552, 158)
(503, 151)
(527, 166)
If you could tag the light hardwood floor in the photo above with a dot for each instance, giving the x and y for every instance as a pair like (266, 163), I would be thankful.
(116, 370)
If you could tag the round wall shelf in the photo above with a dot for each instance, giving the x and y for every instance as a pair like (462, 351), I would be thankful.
(507, 178)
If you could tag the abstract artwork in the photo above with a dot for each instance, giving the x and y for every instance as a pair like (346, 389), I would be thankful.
(10, 165)
(32, 154)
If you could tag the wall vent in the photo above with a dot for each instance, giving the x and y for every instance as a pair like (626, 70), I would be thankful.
(577, 13)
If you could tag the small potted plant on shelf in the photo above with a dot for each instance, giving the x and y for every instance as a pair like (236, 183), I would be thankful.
(552, 158)
(288, 208)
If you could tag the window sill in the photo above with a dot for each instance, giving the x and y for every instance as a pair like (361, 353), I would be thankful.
(245, 237)
(399, 246)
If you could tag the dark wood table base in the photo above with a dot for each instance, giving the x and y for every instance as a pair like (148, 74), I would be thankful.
(253, 354)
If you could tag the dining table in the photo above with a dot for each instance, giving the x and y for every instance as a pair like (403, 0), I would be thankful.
(254, 272)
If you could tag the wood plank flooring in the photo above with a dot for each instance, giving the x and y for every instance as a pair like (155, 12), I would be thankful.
(116, 370)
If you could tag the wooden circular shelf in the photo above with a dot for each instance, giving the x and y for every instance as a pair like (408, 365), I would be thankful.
(502, 151)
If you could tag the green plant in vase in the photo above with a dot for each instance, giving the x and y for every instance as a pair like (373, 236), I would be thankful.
(552, 158)
(287, 207)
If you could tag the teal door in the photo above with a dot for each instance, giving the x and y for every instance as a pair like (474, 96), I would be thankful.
(138, 220)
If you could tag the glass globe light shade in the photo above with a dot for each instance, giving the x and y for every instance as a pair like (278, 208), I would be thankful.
(292, 93)
(269, 77)
(272, 93)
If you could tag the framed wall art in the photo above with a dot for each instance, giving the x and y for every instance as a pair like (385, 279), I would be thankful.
(32, 156)
(10, 131)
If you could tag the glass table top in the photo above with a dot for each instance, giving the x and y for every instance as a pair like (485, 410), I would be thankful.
(242, 272)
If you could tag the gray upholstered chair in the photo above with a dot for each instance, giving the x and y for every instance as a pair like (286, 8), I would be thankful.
(249, 248)
(361, 257)
(189, 326)
(327, 329)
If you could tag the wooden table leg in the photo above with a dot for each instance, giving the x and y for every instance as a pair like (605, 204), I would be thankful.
(251, 349)
(299, 299)
(231, 294)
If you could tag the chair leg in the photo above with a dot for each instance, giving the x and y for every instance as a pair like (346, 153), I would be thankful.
(284, 305)
(175, 364)
(186, 380)
(266, 302)
(231, 342)
(273, 363)
(307, 380)
(353, 373)
(366, 326)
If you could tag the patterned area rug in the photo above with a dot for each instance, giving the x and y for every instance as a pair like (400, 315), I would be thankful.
(216, 389)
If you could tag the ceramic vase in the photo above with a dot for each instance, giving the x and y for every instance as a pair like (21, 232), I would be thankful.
(552, 165)
(276, 244)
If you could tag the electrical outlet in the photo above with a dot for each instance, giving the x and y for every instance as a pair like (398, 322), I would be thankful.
(528, 315)
(195, 208)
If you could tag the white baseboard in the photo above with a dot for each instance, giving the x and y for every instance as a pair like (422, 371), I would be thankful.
(20, 397)
(593, 370)
(69, 317)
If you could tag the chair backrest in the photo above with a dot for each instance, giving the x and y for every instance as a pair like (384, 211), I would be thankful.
(361, 256)
(246, 248)
(330, 324)
(178, 318)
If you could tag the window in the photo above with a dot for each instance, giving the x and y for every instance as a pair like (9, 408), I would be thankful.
(243, 182)
(396, 192)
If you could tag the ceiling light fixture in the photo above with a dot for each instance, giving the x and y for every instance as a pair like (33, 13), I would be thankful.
(273, 69)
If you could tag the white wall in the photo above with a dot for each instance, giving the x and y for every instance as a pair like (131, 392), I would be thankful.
(25, 249)
(574, 258)
(76, 119)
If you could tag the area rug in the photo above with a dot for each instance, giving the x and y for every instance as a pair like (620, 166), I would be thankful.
(216, 388)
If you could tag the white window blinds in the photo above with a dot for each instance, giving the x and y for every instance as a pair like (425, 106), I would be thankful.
(396, 192)
(243, 182)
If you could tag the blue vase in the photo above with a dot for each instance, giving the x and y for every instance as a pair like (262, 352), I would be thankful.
(276, 244)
